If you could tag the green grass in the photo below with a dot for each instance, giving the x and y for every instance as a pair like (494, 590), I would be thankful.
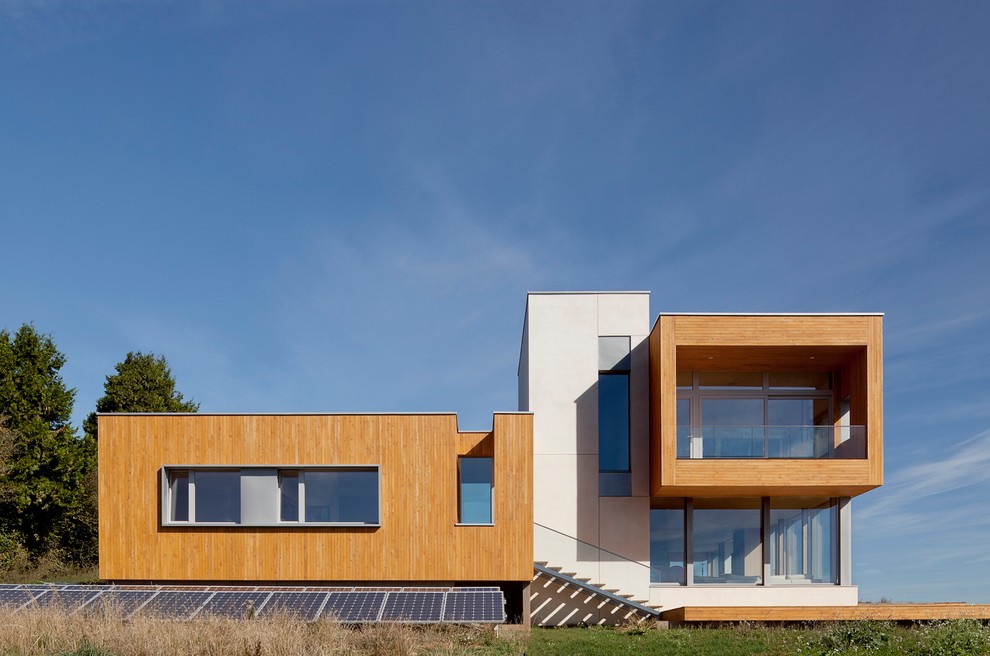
(741, 641)
(954, 638)
(258, 638)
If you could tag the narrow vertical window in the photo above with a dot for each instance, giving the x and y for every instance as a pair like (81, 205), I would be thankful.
(288, 483)
(476, 484)
(178, 496)
(613, 422)
(667, 545)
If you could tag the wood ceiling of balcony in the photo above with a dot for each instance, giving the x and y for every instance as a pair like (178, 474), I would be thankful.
(765, 358)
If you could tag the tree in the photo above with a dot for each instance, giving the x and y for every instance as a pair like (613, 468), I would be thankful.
(143, 383)
(46, 465)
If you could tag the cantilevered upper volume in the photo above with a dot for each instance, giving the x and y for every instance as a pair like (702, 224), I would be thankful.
(782, 405)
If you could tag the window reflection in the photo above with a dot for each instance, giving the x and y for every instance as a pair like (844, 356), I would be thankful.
(348, 496)
(803, 542)
(476, 490)
(728, 545)
(667, 545)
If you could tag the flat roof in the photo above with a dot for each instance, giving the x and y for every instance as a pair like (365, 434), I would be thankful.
(771, 314)
(599, 292)
(294, 414)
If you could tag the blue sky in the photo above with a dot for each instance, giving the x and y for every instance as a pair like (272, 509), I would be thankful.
(339, 206)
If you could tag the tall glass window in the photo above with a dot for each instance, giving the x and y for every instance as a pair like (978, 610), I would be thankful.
(476, 484)
(727, 541)
(667, 545)
(803, 542)
(613, 422)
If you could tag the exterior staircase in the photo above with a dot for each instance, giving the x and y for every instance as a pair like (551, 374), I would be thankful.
(559, 598)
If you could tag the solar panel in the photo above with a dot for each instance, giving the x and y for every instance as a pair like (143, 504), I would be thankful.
(350, 605)
(13, 599)
(67, 598)
(178, 604)
(413, 607)
(120, 602)
(235, 605)
(485, 606)
(304, 606)
(353, 606)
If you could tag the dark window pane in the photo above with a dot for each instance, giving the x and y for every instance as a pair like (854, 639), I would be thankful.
(476, 490)
(667, 546)
(732, 428)
(218, 496)
(613, 422)
(683, 428)
(289, 488)
(346, 496)
(730, 380)
(178, 496)
(800, 380)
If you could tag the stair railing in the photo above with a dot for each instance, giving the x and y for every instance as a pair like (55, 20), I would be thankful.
(607, 569)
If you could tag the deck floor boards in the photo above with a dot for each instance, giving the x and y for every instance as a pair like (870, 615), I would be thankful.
(892, 612)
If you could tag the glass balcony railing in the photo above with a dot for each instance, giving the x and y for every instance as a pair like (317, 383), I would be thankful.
(827, 442)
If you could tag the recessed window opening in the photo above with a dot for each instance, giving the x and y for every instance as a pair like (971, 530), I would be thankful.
(476, 490)
(613, 421)
(267, 496)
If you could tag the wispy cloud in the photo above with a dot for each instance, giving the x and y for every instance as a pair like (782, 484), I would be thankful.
(966, 464)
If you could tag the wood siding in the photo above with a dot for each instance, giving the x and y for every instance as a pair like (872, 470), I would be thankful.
(850, 347)
(418, 539)
(888, 612)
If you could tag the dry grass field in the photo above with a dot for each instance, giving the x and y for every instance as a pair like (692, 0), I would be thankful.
(52, 631)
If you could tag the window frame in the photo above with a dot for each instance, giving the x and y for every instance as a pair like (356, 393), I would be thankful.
(165, 495)
(696, 394)
(768, 578)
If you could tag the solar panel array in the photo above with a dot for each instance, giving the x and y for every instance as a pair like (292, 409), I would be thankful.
(347, 605)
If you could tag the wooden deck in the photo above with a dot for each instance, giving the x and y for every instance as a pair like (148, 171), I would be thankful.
(891, 612)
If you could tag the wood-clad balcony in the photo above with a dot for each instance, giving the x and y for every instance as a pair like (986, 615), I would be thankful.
(766, 405)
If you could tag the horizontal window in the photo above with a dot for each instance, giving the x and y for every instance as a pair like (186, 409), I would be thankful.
(270, 496)
(760, 415)
(727, 541)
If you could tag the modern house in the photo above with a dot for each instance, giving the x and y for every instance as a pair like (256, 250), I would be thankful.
(706, 460)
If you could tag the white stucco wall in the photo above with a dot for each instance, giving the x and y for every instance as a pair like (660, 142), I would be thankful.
(721, 595)
(558, 383)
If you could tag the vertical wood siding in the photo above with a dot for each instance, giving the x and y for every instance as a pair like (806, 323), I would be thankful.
(418, 539)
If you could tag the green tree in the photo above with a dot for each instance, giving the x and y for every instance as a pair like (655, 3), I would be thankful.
(143, 383)
(46, 465)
